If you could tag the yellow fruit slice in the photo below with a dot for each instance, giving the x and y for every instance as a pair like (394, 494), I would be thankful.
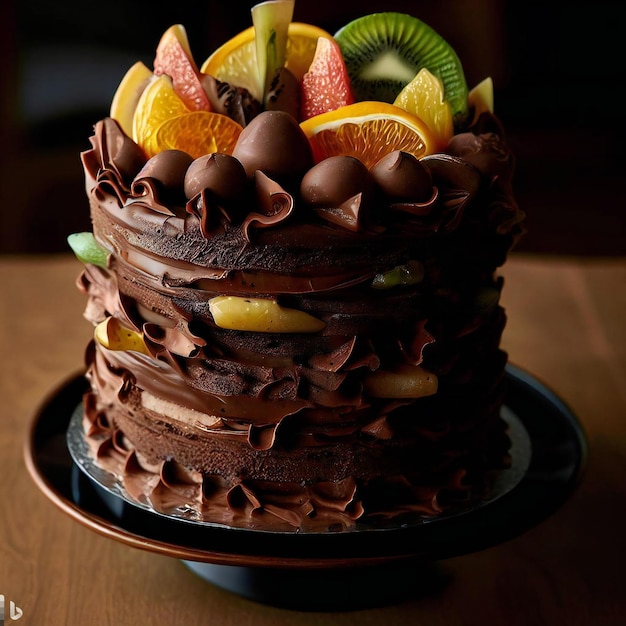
(112, 335)
(197, 133)
(235, 61)
(261, 315)
(157, 104)
(368, 131)
(423, 96)
(406, 381)
(480, 97)
(127, 95)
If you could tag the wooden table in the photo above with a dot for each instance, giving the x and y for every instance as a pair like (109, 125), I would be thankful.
(566, 326)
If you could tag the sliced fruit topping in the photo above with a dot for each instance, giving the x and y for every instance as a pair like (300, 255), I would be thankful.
(261, 315)
(368, 131)
(87, 249)
(113, 335)
(480, 97)
(127, 96)
(423, 97)
(235, 61)
(174, 58)
(402, 275)
(384, 51)
(406, 381)
(271, 23)
(196, 133)
(301, 46)
(157, 104)
(326, 86)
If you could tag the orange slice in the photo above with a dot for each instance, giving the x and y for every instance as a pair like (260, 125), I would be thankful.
(197, 133)
(157, 104)
(127, 95)
(235, 61)
(423, 96)
(368, 131)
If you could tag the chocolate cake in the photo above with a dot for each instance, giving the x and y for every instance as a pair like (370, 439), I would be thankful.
(294, 340)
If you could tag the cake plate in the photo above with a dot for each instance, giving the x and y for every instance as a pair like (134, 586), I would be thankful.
(323, 570)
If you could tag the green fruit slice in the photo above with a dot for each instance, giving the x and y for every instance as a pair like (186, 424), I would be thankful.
(271, 21)
(87, 249)
(384, 51)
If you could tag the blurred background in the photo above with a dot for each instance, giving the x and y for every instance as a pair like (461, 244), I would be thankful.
(558, 69)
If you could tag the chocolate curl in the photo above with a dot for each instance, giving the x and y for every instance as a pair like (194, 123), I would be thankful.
(146, 189)
(458, 182)
(347, 214)
(275, 203)
(118, 152)
(138, 480)
(413, 350)
(379, 429)
(242, 497)
(418, 209)
(262, 437)
(335, 360)
(293, 518)
(173, 340)
(112, 161)
(339, 497)
(212, 215)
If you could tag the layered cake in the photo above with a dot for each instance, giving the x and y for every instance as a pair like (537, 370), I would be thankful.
(293, 280)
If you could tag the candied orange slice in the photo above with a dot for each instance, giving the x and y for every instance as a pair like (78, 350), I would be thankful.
(368, 131)
(157, 104)
(235, 61)
(127, 95)
(423, 96)
(197, 133)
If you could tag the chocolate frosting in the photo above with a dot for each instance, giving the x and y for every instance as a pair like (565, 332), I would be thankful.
(279, 429)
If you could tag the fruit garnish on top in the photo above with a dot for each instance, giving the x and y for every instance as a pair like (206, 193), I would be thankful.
(385, 82)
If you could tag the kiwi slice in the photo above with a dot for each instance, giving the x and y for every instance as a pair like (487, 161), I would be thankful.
(87, 249)
(384, 51)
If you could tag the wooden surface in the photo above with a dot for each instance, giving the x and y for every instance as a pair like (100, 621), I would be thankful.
(566, 325)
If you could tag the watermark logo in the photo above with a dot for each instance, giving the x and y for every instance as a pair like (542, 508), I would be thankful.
(14, 611)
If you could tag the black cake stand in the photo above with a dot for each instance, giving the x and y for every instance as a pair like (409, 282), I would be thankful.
(366, 566)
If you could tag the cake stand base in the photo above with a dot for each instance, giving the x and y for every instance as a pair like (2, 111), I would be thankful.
(326, 589)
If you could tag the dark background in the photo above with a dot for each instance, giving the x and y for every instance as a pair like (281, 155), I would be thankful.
(557, 66)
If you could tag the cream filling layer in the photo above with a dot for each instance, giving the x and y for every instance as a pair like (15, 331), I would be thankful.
(186, 416)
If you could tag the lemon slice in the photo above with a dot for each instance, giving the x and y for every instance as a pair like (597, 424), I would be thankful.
(127, 96)
(423, 97)
(261, 315)
(111, 334)
(481, 98)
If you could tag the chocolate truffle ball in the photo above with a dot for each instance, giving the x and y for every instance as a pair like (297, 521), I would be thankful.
(168, 168)
(401, 177)
(221, 174)
(274, 143)
(335, 180)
